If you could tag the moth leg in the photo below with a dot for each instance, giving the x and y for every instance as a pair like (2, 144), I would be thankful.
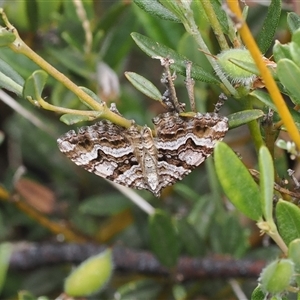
(169, 97)
(219, 104)
(190, 83)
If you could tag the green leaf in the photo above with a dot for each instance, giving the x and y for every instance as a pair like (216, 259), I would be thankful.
(221, 15)
(179, 291)
(105, 205)
(92, 95)
(164, 238)
(268, 29)
(266, 182)
(5, 252)
(237, 182)
(6, 37)
(10, 79)
(32, 12)
(11, 73)
(228, 237)
(295, 40)
(175, 7)
(266, 99)
(243, 117)
(139, 289)
(258, 294)
(281, 51)
(186, 192)
(153, 7)
(276, 277)
(293, 254)
(90, 276)
(154, 49)
(34, 85)
(248, 66)
(293, 21)
(288, 220)
(144, 85)
(288, 73)
(190, 239)
(201, 215)
(71, 119)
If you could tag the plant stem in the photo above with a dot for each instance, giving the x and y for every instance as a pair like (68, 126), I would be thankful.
(265, 73)
(19, 46)
(215, 24)
(270, 229)
(192, 28)
(254, 128)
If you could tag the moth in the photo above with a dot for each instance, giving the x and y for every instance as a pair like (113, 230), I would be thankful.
(137, 158)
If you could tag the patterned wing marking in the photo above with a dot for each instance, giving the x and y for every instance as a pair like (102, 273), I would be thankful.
(183, 143)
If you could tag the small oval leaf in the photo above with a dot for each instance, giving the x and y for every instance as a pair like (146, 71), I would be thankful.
(244, 117)
(258, 294)
(16, 81)
(294, 250)
(191, 241)
(237, 182)
(92, 95)
(266, 182)
(144, 85)
(281, 51)
(288, 73)
(154, 49)
(164, 238)
(90, 276)
(293, 254)
(34, 85)
(288, 220)
(139, 289)
(71, 119)
(293, 21)
(266, 99)
(154, 8)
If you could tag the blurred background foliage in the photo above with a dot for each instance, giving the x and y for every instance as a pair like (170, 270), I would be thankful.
(34, 171)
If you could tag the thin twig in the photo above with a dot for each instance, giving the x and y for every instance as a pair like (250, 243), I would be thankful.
(134, 197)
(81, 13)
(28, 256)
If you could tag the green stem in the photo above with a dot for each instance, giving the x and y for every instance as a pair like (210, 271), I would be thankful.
(192, 28)
(254, 128)
(271, 230)
(45, 105)
(19, 46)
(215, 24)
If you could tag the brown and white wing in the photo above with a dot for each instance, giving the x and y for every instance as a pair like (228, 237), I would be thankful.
(183, 143)
(105, 150)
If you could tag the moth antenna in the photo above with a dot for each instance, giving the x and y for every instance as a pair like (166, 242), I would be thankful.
(220, 103)
(190, 84)
(169, 96)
